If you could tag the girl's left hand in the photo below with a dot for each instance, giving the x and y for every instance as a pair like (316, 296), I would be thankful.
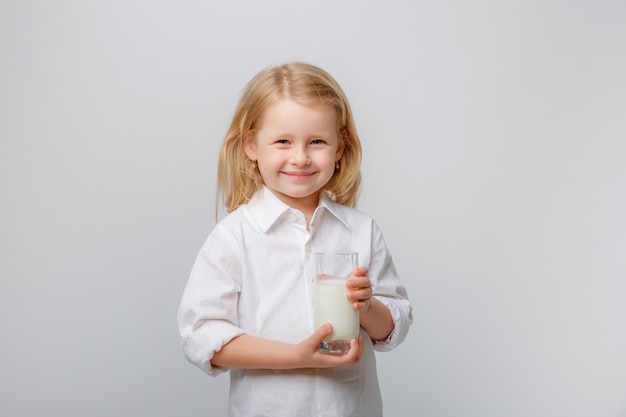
(359, 289)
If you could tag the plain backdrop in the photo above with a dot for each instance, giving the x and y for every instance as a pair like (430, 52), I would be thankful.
(494, 135)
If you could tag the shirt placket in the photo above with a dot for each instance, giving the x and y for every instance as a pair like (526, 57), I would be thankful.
(323, 393)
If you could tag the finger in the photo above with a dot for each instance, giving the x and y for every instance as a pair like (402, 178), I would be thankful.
(362, 294)
(352, 356)
(360, 305)
(356, 348)
(320, 334)
(358, 282)
(360, 271)
(356, 298)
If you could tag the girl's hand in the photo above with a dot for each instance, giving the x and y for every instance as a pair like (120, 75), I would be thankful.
(359, 289)
(310, 357)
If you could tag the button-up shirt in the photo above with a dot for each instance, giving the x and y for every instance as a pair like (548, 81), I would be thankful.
(249, 278)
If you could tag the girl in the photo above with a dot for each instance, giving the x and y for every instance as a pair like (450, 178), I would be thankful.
(289, 176)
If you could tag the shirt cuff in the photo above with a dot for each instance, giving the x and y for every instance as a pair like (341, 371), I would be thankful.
(402, 317)
(209, 338)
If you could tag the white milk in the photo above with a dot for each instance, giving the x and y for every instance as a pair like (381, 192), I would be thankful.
(331, 305)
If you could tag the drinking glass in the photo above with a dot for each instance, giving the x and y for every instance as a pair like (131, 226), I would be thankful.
(330, 270)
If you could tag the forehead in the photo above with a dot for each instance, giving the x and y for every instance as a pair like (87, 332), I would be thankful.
(287, 114)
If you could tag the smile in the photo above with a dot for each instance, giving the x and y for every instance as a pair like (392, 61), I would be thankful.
(298, 174)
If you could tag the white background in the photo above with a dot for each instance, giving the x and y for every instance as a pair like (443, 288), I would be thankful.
(494, 135)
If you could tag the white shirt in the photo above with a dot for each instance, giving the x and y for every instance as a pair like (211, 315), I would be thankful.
(249, 278)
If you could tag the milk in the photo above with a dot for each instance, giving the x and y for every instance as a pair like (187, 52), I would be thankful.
(331, 305)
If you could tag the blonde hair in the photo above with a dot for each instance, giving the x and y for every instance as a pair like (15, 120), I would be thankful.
(238, 180)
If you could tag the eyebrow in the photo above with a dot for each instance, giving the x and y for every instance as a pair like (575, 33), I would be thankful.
(321, 133)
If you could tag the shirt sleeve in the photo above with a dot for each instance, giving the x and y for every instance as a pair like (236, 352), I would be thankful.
(389, 289)
(207, 315)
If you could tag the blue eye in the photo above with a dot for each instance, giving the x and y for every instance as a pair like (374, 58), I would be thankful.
(283, 141)
(317, 142)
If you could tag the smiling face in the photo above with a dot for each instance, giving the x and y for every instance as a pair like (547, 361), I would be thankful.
(296, 147)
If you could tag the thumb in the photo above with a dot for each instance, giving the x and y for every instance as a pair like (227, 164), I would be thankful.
(320, 334)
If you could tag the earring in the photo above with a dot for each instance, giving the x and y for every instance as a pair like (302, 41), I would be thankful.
(253, 164)
(337, 165)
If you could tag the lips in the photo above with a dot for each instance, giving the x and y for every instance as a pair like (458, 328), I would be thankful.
(298, 174)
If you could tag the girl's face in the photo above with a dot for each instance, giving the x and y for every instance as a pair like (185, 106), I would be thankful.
(296, 148)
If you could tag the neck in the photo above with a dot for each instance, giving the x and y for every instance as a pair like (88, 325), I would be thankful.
(306, 205)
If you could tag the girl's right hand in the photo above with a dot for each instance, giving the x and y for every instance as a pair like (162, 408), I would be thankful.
(310, 357)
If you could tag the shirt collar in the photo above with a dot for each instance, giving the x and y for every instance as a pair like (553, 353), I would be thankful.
(266, 208)
(336, 209)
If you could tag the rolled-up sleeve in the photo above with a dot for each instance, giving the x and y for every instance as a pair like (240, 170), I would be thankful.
(389, 289)
(207, 315)
(402, 318)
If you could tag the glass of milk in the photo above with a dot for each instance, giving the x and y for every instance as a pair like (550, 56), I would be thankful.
(330, 299)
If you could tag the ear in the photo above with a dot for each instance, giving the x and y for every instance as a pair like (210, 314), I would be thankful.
(249, 142)
(340, 147)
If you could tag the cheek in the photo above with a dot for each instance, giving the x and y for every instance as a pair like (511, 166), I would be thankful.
(270, 160)
(330, 158)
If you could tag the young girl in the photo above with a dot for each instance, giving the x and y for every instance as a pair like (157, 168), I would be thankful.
(289, 176)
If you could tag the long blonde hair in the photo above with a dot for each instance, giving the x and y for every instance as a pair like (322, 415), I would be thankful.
(238, 180)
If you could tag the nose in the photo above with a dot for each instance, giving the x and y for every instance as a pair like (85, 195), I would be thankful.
(299, 156)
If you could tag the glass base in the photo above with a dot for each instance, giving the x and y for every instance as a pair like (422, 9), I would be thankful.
(336, 348)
